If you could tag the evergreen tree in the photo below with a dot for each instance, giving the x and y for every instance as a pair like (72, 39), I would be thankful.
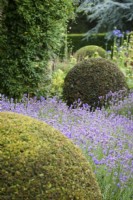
(108, 14)
(30, 32)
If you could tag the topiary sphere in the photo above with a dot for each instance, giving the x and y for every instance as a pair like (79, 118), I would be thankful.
(37, 162)
(89, 51)
(90, 79)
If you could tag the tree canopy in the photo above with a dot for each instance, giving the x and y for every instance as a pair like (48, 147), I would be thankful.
(108, 14)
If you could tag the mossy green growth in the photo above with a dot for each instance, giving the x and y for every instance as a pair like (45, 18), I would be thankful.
(89, 51)
(37, 162)
(90, 79)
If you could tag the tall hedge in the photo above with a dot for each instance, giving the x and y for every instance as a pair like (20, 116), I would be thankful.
(32, 30)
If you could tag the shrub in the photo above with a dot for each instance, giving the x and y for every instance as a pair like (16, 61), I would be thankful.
(89, 51)
(90, 79)
(61, 68)
(57, 83)
(38, 162)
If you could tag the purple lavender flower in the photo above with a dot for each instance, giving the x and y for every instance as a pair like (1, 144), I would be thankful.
(106, 138)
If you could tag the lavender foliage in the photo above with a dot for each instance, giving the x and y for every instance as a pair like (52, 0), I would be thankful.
(106, 138)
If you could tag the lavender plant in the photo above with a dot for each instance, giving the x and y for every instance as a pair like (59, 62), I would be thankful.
(106, 140)
(121, 103)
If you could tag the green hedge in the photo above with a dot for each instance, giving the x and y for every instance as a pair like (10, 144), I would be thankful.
(76, 41)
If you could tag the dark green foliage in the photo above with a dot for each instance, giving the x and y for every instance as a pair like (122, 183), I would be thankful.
(37, 162)
(32, 31)
(108, 14)
(76, 41)
(79, 24)
(90, 79)
(89, 51)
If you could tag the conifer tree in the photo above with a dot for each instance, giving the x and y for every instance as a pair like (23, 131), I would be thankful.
(108, 14)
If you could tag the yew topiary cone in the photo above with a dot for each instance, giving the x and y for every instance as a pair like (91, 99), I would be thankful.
(37, 162)
(91, 79)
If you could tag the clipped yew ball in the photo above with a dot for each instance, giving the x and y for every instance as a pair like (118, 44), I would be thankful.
(89, 51)
(37, 162)
(91, 79)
